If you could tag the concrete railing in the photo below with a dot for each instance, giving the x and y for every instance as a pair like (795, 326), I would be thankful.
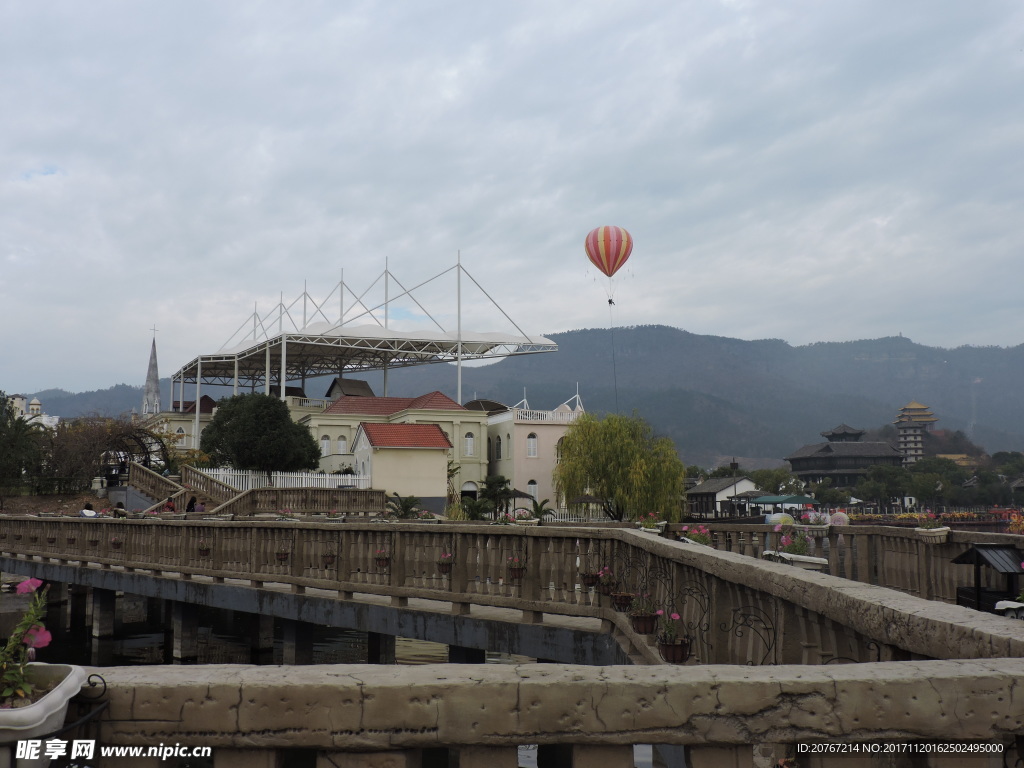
(897, 558)
(208, 486)
(347, 502)
(737, 609)
(927, 713)
(151, 483)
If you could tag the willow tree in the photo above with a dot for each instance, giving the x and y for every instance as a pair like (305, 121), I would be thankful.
(618, 460)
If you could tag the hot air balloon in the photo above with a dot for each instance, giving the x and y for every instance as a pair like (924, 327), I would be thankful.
(608, 248)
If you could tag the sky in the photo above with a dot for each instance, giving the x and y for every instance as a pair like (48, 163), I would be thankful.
(798, 170)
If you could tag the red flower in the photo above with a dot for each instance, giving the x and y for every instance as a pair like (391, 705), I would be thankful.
(28, 585)
(37, 636)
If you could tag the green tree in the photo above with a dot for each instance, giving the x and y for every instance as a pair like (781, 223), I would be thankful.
(21, 447)
(618, 459)
(777, 482)
(826, 494)
(256, 432)
(497, 493)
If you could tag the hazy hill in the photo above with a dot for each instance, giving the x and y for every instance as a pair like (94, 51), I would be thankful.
(718, 397)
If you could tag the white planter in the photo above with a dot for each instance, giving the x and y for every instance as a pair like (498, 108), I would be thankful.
(806, 562)
(534, 521)
(657, 530)
(43, 717)
(934, 535)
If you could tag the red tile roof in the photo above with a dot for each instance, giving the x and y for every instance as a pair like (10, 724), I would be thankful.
(405, 436)
(385, 406)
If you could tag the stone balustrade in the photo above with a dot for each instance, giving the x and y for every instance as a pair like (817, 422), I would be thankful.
(897, 558)
(364, 716)
(737, 609)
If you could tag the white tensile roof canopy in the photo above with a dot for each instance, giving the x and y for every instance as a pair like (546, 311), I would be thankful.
(318, 345)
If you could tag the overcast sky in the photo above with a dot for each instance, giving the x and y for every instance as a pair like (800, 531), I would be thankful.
(799, 170)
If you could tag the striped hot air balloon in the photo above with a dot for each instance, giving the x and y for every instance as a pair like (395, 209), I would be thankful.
(608, 248)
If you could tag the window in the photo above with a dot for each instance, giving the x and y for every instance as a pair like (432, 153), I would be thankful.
(468, 446)
(531, 445)
(325, 446)
(531, 488)
(181, 436)
(342, 444)
(490, 450)
(497, 448)
(558, 450)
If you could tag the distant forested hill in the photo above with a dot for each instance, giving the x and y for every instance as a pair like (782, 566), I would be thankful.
(718, 397)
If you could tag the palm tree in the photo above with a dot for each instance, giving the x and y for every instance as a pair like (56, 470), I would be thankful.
(496, 490)
(404, 507)
(541, 509)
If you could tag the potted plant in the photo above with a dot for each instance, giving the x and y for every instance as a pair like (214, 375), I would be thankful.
(329, 557)
(116, 542)
(589, 578)
(795, 549)
(931, 528)
(445, 561)
(621, 601)
(516, 567)
(48, 687)
(606, 580)
(382, 558)
(423, 516)
(203, 547)
(651, 523)
(673, 647)
(504, 519)
(526, 517)
(698, 534)
(282, 554)
(642, 614)
(815, 523)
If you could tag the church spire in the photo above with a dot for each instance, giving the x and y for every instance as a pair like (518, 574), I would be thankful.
(151, 396)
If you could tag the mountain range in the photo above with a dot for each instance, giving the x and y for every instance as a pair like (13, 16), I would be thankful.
(717, 398)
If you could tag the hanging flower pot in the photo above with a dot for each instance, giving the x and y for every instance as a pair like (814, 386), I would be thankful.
(383, 561)
(328, 558)
(644, 623)
(676, 652)
(444, 567)
(204, 551)
(94, 542)
(622, 600)
(51, 539)
(282, 557)
(72, 539)
(116, 542)
(589, 579)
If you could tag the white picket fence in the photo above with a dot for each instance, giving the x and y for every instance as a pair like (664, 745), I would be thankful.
(245, 480)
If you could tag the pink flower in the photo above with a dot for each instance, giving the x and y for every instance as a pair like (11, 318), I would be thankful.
(778, 527)
(659, 612)
(28, 585)
(37, 637)
(674, 617)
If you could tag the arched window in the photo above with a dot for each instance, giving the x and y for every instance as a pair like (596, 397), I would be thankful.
(469, 444)
(181, 436)
(531, 445)
(490, 450)
(497, 448)
(325, 446)
(531, 488)
(558, 450)
(342, 444)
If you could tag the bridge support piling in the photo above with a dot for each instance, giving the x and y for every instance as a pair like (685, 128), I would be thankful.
(460, 655)
(296, 642)
(104, 612)
(78, 606)
(155, 610)
(56, 602)
(185, 625)
(260, 630)
(380, 649)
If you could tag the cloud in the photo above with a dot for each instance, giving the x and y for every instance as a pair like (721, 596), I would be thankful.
(805, 172)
